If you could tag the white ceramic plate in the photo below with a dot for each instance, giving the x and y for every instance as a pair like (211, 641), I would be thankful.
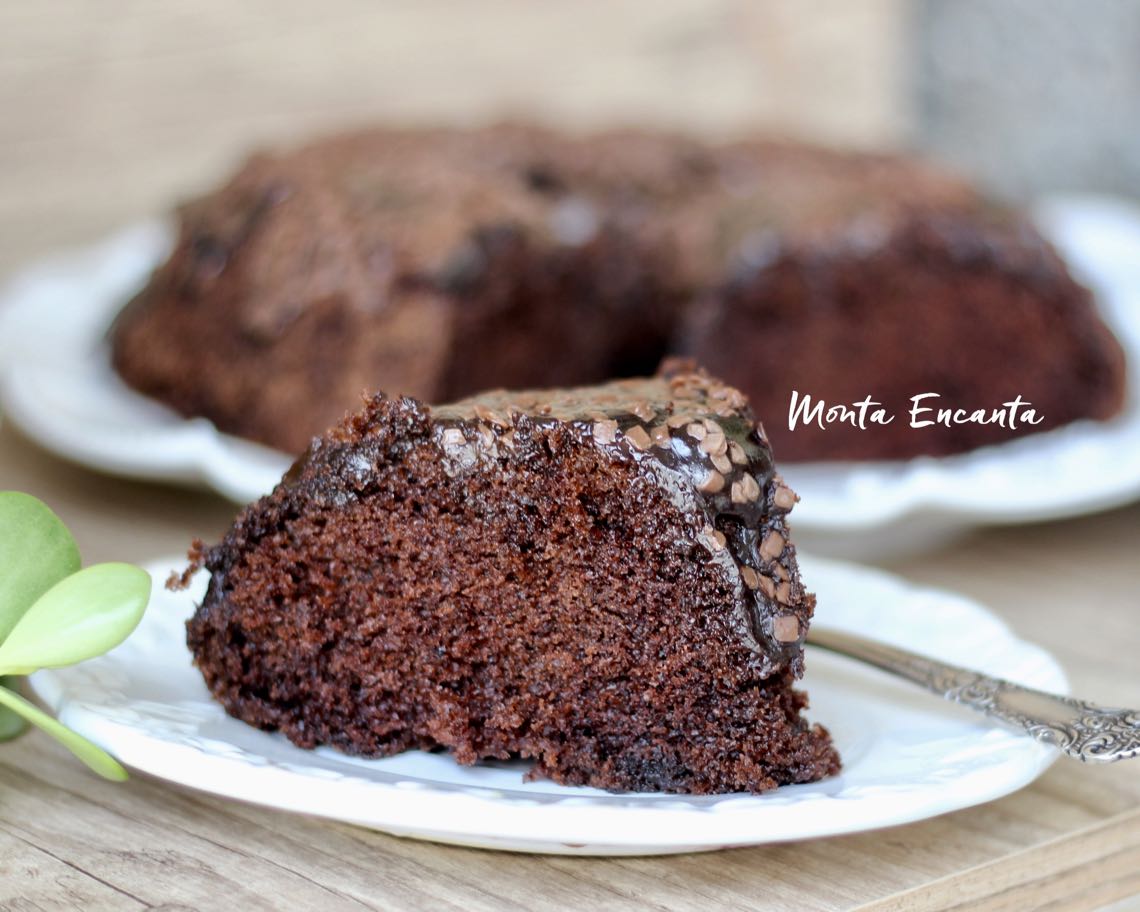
(907, 755)
(57, 384)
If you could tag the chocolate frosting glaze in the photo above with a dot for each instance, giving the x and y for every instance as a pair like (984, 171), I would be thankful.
(692, 436)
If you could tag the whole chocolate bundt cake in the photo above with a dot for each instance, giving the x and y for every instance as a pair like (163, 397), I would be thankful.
(438, 263)
(599, 579)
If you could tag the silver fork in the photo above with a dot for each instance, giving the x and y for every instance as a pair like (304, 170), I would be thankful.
(1081, 729)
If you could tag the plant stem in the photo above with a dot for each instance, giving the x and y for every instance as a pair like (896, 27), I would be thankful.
(91, 754)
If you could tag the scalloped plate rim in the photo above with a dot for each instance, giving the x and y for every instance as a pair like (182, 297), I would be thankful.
(575, 821)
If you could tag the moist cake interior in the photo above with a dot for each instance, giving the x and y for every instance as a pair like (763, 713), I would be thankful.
(528, 585)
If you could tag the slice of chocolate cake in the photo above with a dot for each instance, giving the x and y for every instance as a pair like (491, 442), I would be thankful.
(599, 579)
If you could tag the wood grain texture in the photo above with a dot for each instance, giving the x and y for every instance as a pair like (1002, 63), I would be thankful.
(35, 878)
(1083, 870)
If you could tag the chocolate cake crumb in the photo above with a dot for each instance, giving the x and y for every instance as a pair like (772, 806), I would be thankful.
(576, 599)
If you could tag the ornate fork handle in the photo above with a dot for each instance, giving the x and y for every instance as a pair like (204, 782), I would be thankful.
(1082, 730)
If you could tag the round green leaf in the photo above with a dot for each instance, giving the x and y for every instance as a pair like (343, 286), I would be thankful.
(80, 617)
(36, 552)
(91, 754)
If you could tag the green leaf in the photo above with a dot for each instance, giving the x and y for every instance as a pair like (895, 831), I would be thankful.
(80, 617)
(93, 755)
(36, 552)
(11, 724)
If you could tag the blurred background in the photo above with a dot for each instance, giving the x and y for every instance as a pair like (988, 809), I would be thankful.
(114, 110)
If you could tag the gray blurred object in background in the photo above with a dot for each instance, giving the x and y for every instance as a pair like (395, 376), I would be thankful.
(1030, 96)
